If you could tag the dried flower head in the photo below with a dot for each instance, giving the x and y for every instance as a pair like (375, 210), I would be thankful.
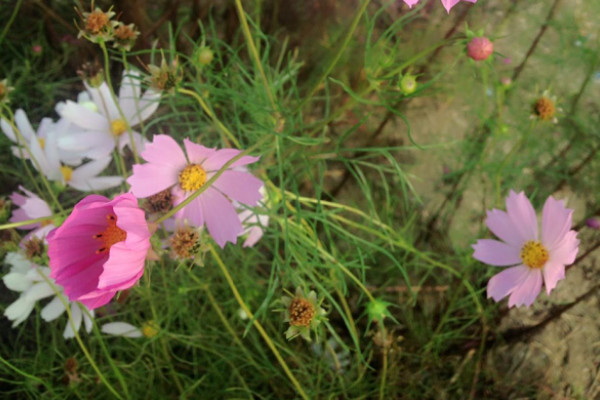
(125, 36)
(4, 91)
(184, 242)
(166, 77)
(91, 72)
(160, 202)
(34, 247)
(544, 108)
(303, 312)
(97, 25)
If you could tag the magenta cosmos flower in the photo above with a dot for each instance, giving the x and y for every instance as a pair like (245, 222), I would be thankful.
(99, 249)
(168, 168)
(448, 4)
(536, 258)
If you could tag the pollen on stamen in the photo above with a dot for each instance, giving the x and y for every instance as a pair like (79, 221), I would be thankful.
(111, 235)
(534, 254)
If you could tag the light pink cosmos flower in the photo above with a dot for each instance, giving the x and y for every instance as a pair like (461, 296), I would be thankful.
(448, 4)
(535, 258)
(30, 206)
(168, 167)
(99, 249)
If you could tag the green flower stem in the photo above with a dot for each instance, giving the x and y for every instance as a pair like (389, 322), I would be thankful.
(254, 52)
(257, 324)
(385, 362)
(29, 221)
(210, 181)
(87, 354)
(116, 101)
(212, 115)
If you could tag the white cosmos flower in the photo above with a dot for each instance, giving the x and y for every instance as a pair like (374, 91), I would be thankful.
(32, 281)
(106, 121)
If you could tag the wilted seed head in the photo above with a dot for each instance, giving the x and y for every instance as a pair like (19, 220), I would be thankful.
(125, 36)
(34, 247)
(165, 77)
(96, 21)
(97, 25)
(301, 312)
(184, 242)
(160, 202)
(91, 72)
(544, 108)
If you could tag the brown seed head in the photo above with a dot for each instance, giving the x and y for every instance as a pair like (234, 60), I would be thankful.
(544, 108)
(160, 202)
(34, 248)
(124, 32)
(301, 312)
(96, 21)
(184, 242)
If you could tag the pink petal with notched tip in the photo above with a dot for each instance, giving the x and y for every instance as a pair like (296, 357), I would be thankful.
(197, 154)
(221, 157)
(496, 253)
(522, 215)
(240, 186)
(566, 250)
(411, 3)
(149, 179)
(553, 272)
(220, 216)
(526, 292)
(501, 226)
(165, 151)
(556, 222)
(502, 284)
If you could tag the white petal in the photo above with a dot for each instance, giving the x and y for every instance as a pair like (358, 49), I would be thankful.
(18, 262)
(24, 125)
(100, 183)
(38, 291)
(17, 282)
(87, 321)
(89, 170)
(8, 130)
(19, 310)
(53, 309)
(104, 100)
(121, 329)
(83, 117)
(77, 317)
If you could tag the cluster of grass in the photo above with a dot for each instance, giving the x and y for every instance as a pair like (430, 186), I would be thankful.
(340, 153)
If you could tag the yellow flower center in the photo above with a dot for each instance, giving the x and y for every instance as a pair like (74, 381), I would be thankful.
(118, 127)
(67, 172)
(111, 235)
(192, 177)
(544, 108)
(42, 142)
(534, 254)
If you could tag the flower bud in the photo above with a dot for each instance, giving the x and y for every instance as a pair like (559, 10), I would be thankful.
(408, 84)
(480, 48)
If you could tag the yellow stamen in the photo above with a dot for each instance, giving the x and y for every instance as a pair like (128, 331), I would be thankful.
(150, 329)
(118, 127)
(42, 142)
(111, 235)
(67, 172)
(192, 177)
(534, 254)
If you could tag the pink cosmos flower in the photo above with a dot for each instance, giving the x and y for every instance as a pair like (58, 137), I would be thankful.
(168, 167)
(30, 206)
(448, 4)
(535, 258)
(99, 249)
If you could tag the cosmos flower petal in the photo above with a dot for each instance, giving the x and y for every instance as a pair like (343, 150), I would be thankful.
(77, 317)
(496, 253)
(149, 179)
(147, 105)
(221, 219)
(16, 281)
(87, 320)
(123, 267)
(411, 3)
(197, 154)
(553, 272)
(529, 288)
(90, 169)
(164, 150)
(240, 186)
(522, 215)
(8, 130)
(503, 283)
(53, 310)
(84, 117)
(19, 310)
(192, 213)
(24, 126)
(556, 222)
(221, 157)
(97, 183)
(565, 251)
(97, 299)
(129, 90)
(102, 97)
(121, 329)
(501, 226)
(39, 291)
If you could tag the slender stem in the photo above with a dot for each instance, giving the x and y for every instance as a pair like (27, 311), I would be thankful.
(385, 362)
(11, 20)
(257, 324)
(211, 115)
(337, 56)
(78, 338)
(254, 51)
